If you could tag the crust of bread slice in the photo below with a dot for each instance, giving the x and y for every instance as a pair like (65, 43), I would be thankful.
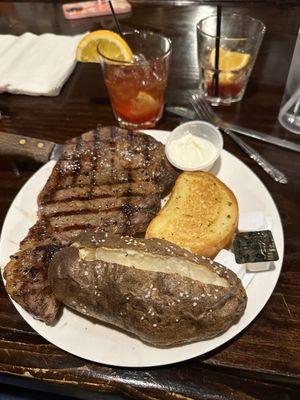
(201, 215)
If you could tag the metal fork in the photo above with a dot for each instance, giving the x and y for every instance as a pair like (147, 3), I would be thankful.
(205, 112)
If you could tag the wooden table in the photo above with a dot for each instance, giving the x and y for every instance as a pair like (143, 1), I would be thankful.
(263, 362)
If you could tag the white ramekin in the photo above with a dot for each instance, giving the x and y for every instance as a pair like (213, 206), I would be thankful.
(201, 129)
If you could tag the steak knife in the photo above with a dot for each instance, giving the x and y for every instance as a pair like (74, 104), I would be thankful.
(38, 149)
(191, 115)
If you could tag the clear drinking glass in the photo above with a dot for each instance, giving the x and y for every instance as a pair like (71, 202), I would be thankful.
(289, 114)
(136, 89)
(239, 40)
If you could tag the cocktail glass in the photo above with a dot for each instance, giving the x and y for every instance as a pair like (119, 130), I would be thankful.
(136, 89)
(239, 42)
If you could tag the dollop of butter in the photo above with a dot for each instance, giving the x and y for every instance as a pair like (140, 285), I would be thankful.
(191, 151)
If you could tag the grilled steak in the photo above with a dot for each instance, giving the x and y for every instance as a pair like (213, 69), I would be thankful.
(108, 179)
(27, 281)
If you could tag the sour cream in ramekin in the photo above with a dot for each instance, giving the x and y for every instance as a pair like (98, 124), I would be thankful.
(194, 146)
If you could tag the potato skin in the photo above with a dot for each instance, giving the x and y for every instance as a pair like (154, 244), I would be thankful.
(162, 309)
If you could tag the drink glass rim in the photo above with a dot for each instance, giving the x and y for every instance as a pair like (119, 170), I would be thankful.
(262, 31)
(137, 31)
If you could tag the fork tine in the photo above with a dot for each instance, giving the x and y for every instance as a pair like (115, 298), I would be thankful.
(200, 108)
(197, 108)
(194, 103)
(208, 108)
(204, 111)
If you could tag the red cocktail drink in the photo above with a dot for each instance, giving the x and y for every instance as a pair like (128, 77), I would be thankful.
(137, 88)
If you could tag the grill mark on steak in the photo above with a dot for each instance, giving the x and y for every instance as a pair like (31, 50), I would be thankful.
(101, 196)
(75, 227)
(127, 207)
(125, 176)
(97, 209)
(147, 157)
(94, 163)
(109, 179)
(80, 192)
(26, 281)
(66, 225)
(76, 164)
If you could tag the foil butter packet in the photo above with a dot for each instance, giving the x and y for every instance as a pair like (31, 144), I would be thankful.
(255, 249)
(253, 246)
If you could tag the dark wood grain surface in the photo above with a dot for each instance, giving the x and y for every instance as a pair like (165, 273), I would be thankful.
(263, 362)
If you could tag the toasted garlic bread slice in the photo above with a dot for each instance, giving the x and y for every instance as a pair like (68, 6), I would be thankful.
(201, 215)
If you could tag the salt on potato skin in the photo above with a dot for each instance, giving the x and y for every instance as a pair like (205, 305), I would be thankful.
(161, 308)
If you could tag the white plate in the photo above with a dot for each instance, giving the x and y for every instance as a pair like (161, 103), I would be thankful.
(99, 343)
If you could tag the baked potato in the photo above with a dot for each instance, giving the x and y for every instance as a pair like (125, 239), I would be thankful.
(149, 287)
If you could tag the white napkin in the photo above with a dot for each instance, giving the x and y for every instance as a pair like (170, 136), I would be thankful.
(37, 65)
(226, 258)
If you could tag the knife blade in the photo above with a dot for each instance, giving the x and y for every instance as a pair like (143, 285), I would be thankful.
(191, 115)
(182, 112)
(37, 149)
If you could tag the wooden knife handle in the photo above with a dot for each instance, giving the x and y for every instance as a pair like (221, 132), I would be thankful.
(17, 145)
